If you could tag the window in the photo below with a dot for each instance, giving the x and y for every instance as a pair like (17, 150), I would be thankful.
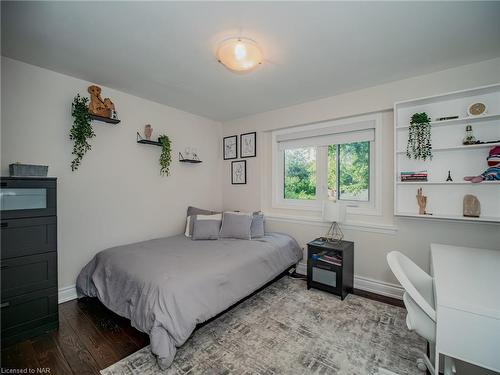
(349, 171)
(300, 173)
(334, 160)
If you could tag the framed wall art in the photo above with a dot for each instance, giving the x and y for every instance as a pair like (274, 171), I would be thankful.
(230, 147)
(239, 172)
(248, 145)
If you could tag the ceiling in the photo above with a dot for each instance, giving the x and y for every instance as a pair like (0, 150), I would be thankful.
(164, 51)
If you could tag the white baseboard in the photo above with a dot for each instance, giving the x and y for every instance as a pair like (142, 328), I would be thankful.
(67, 293)
(367, 284)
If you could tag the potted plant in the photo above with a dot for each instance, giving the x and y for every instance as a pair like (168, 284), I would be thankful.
(165, 157)
(81, 130)
(419, 137)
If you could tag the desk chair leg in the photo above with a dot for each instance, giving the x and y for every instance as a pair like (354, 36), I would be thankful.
(425, 364)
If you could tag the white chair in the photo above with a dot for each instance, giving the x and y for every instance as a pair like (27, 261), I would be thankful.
(419, 301)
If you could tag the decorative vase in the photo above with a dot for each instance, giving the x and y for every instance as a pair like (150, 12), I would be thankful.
(148, 130)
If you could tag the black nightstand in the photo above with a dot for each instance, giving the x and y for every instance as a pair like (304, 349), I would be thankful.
(330, 266)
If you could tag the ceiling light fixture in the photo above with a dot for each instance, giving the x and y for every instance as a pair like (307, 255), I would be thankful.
(239, 54)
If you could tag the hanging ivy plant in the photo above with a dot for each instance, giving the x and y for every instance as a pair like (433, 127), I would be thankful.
(165, 157)
(419, 137)
(81, 130)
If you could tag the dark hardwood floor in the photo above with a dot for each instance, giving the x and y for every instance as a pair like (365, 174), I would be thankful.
(90, 338)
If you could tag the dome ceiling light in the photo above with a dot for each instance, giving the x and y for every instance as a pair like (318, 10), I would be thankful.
(239, 54)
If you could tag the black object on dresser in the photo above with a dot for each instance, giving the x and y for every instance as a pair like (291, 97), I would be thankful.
(330, 266)
(29, 257)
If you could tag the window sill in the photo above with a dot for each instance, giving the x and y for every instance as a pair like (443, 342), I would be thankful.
(349, 225)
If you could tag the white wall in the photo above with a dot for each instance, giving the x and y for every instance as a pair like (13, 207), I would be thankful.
(412, 236)
(117, 195)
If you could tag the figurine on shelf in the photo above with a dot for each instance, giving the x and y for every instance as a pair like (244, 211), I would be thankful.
(422, 202)
(493, 171)
(472, 206)
(449, 179)
(99, 107)
(148, 130)
(469, 136)
(111, 108)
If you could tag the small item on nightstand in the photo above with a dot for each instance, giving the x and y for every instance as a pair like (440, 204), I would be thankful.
(148, 131)
(469, 136)
(472, 206)
(449, 179)
(422, 202)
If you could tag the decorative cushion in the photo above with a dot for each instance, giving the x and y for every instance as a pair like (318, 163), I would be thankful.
(206, 227)
(236, 225)
(194, 211)
(257, 227)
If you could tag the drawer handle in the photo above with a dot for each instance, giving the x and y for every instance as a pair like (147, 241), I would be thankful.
(4, 225)
(5, 304)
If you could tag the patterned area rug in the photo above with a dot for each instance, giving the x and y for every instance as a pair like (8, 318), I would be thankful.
(287, 329)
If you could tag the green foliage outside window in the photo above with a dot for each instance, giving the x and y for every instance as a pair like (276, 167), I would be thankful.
(354, 170)
(300, 173)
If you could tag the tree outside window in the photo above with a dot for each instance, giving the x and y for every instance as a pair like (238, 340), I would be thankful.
(348, 172)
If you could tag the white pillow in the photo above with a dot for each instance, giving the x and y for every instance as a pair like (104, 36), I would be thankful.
(188, 221)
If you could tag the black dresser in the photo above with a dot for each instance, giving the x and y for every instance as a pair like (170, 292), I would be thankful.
(29, 257)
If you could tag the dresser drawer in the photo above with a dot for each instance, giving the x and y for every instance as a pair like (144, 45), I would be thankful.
(27, 274)
(21, 237)
(27, 197)
(29, 314)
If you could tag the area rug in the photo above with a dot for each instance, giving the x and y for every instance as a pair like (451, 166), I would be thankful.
(287, 329)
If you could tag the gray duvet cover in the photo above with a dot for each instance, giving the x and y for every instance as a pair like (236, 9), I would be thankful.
(167, 286)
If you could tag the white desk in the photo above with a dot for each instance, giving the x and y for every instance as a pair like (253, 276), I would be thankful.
(467, 298)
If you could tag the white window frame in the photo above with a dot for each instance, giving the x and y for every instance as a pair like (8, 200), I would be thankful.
(372, 207)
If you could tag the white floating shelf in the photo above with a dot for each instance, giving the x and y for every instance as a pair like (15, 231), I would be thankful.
(489, 183)
(487, 219)
(457, 121)
(445, 199)
(461, 147)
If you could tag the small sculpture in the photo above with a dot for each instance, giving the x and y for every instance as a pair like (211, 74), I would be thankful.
(148, 130)
(449, 179)
(493, 171)
(469, 136)
(472, 206)
(97, 106)
(422, 202)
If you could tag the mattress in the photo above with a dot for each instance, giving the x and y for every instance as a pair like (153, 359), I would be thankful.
(167, 286)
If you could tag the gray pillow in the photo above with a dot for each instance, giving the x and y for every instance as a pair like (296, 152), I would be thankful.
(257, 227)
(236, 225)
(206, 227)
(195, 211)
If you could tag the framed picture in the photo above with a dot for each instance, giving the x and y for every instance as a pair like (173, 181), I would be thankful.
(230, 147)
(239, 172)
(248, 145)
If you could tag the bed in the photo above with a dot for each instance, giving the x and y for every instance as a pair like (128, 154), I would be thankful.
(167, 286)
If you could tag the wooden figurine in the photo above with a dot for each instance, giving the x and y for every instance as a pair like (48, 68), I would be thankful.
(97, 106)
(472, 206)
(422, 202)
(148, 130)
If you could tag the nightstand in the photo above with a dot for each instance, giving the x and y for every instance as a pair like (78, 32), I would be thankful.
(330, 266)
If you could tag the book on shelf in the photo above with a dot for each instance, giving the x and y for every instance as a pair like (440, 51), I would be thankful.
(414, 176)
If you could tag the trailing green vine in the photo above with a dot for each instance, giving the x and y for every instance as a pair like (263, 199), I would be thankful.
(81, 130)
(419, 137)
(165, 157)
